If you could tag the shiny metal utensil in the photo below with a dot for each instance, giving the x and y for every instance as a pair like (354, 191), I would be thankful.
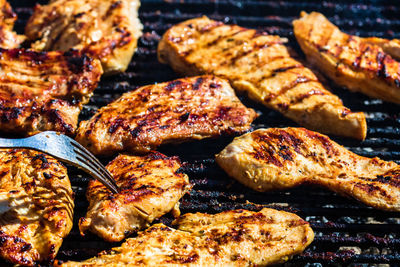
(67, 150)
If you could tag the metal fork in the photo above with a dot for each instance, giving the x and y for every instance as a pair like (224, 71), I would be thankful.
(67, 150)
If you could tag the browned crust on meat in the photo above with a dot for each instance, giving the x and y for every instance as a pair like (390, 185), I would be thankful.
(170, 112)
(275, 158)
(260, 65)
(391, 47)
(37, 206)
(42, 91)
(8, 38)
(151, 186)
(231, 238)
(105, 29)
(349, 60)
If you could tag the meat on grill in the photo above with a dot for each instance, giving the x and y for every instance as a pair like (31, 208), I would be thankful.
(42, 91)
(260, 65)
(8, 38)
(275, 158)
(231, 238)
(36, 206)
(391, 47)
(170, 112)
(151, 186)
(348, 60)
(106, 29)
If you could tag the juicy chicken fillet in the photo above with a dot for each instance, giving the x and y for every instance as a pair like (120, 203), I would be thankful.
(348, 60)
(8, 38)
(231, 238)
(391, 47)
(274, 158)
(151, 186)
(106, 29)
(36, 206)
(260, 65)
(41, 91)
(170, 112)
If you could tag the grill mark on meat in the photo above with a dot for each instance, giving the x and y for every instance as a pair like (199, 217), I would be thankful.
(52, 90)
(227, 38)
(78, 63)
(191, 258)
(45, 163)
(33, 56)
(184, 117)
(283, 69)
(240, 55)
(267, 154)
(285, 89)
(302, 97)
(362, 50)
(198, 83)
(323, 162)
(325, 142)
(173, 85)
(55, 117)
(140, 192)
(371, 188)
(391, 178)
(210, 26)
(111, 8)
(10, 113)
(273, 73)
(249, 78)
(46, 203)
(170, 112)
(150, 187)
(118, 123)
(379, 66)
(380, 60)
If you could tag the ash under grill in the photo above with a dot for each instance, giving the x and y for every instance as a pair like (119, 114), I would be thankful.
(346, 232)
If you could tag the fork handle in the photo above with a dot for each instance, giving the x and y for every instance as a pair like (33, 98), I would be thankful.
(15, 143)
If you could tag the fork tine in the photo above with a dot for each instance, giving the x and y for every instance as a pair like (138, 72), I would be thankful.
(97, 166)
(96, 163)
(79, 149)
(82, 149)
(84, 163)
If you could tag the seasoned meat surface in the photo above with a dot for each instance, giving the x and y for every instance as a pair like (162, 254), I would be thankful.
(231, 238)
(275, 158)
(170, 112)
(391, 47)
(106, 29)
(8, 38)
(259, 64)
(36, 206)
(348, 60)
(42, 91)
(151, 186)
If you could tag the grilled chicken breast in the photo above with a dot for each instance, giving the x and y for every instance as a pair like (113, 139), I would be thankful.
(391, 47)
(348, 60)
(8, 38)
(151, 186)
(260, 65)
(42, 91)
(231, 238)
(36, 206)
(274, 158)
(170, 112)
(106, 29)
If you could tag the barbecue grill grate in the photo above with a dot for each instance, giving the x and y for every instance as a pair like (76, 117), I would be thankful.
(346, 232)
